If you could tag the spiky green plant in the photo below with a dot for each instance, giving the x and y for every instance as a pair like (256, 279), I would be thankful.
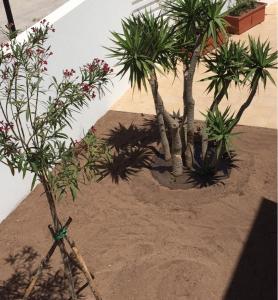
(218, 128)
(259, 60)
(242, 6)
(226, 64)
(144, 47)
(195, 21)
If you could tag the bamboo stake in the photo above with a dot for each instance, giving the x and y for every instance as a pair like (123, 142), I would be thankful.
(85, 270)
(82, 266)
(42, 265)
(66, 261)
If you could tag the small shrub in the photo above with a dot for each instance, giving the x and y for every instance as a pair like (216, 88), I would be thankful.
(242, 6)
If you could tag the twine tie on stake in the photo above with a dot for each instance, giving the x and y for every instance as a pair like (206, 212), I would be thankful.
(62, 233)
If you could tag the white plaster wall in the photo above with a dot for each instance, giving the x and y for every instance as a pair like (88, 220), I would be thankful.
(82, 28)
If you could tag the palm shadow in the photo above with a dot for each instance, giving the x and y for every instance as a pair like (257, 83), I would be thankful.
(132, 149)
(51, 284)
(203, 177)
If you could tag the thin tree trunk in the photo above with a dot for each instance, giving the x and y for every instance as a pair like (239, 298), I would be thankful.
(190, 105)
(159, 113)
(184, 125)
(246, 104)
(219, 97)
(61, 245)
(175, 154)
(176, 151)
(204, 144)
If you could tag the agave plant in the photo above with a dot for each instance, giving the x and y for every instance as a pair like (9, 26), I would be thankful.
(219, 126)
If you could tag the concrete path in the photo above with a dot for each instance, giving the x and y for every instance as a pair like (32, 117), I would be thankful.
(262, 112)
(28, 12)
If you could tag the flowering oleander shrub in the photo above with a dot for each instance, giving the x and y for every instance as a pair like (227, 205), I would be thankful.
(33, 116)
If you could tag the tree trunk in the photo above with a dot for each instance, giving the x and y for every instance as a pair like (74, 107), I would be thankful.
(190, 106)
(204, 144)
(246, 104)
(184, 125)
(159, 113)
(211, 160)
(176, 152)
(219, 97)
(61, 245)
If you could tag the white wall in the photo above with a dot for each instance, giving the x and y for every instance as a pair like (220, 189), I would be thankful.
(82, 28)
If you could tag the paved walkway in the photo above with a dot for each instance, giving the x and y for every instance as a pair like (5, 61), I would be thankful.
(28, 12)
(263, 110)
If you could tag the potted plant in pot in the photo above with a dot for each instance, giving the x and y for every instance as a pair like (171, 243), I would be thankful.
(244, 15)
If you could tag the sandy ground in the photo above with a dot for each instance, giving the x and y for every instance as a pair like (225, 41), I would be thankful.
(144, 241)
(28, 12)
(262, 112)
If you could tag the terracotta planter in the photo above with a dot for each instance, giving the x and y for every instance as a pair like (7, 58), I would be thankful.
(242, 23)
(210, 45)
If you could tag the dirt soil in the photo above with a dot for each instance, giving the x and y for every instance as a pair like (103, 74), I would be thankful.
(144, 241)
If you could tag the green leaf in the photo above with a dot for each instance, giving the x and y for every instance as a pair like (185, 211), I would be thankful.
(33, 181)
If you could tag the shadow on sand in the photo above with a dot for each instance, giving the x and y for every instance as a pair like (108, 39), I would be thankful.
(52, 285)
(133, 149)
(136, 147)
(255, 276)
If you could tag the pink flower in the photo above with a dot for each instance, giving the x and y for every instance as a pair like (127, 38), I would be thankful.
(93, 129)
(40, 51)
(68, 73)
(6, 126)
(86, 87)
(106, 68)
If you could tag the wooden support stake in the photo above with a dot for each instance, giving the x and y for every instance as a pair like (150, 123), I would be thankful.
(80, 263)
(85, 270)
(42, 265)
(80, 289)
(88, 275)
(67, 265)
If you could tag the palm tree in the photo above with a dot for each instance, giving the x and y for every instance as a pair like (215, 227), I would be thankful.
(242, 65)
(195, 21)
(226, 65)
(144, 48)
(258, 61)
